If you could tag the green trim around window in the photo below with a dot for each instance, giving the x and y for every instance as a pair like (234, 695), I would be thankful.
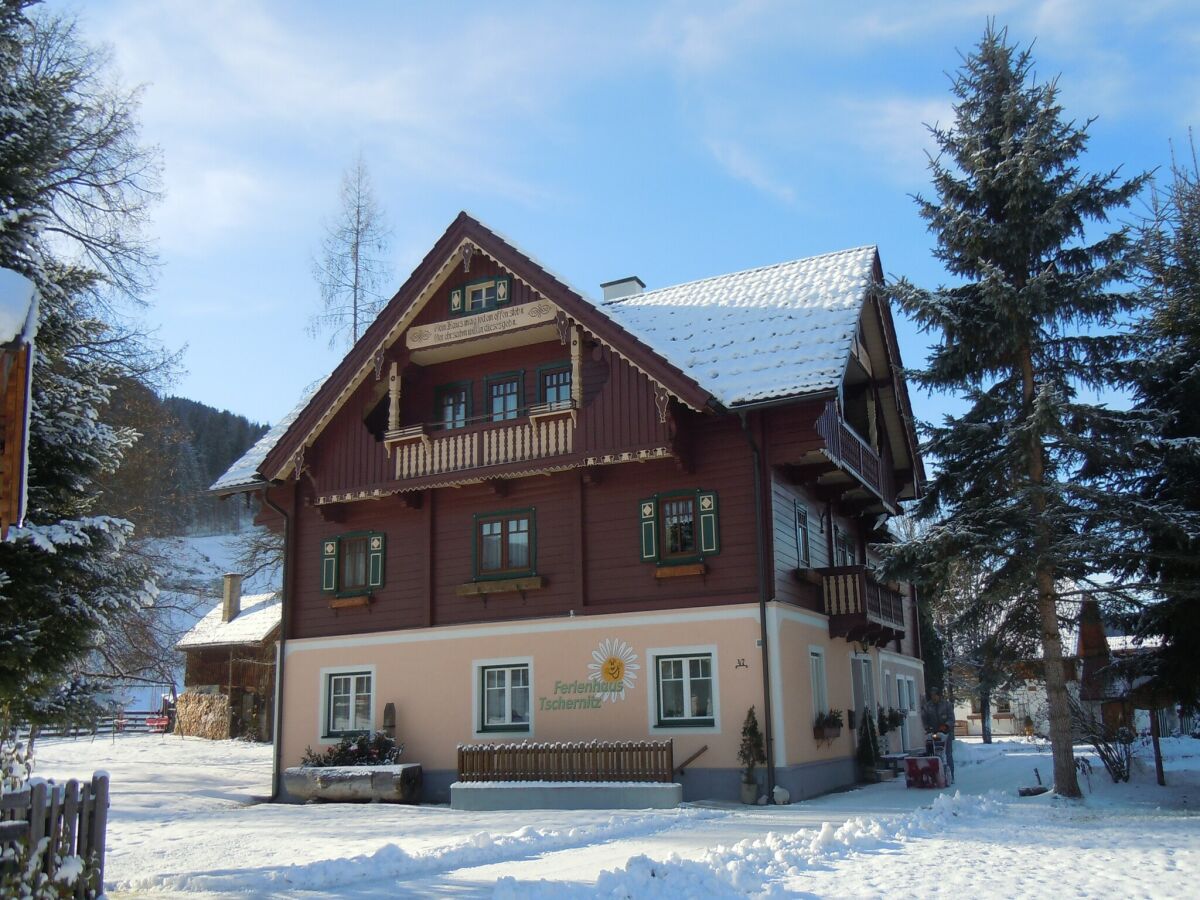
(477, 573)
(507, 727)
(700, 722)
(439, 394)
(375, 562)
(518, 376)
(546, 369)
(465, 291)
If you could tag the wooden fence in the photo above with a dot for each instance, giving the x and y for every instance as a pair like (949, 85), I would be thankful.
(584, 761)
(74, 816)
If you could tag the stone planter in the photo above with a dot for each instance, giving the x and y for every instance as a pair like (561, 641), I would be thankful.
(749, 793)
(350, 784)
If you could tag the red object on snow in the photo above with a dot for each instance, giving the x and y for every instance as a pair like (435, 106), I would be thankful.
(924, 772)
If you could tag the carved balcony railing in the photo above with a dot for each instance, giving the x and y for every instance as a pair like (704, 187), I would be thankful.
(859, 607)
(420, 453)
(851, 452)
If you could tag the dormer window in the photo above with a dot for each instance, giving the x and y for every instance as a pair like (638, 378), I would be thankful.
(480, 296)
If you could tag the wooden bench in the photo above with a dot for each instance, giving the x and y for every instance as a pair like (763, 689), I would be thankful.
(583, 775)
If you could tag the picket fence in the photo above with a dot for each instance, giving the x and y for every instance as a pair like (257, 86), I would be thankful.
(73, 816)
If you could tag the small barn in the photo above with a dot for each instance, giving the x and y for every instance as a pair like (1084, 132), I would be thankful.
(229, 672)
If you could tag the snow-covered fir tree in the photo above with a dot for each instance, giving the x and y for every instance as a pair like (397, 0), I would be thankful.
(74, 189)
(1023, 336)
(1165, 378)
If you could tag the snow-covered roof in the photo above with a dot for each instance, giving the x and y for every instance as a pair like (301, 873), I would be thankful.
(776, 331)
(259, 616)
(1127, 643)
(18, 307)
(244, 473)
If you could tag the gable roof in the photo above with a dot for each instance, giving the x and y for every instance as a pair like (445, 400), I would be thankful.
(258, 618)
(765, 333)
(775, 331)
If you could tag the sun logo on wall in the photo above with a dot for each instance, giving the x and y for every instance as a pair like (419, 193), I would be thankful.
(615, 666)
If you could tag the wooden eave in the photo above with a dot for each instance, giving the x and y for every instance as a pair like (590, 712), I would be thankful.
(899, 383)
(404, 306)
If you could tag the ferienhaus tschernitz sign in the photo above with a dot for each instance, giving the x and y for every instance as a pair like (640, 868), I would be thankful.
(480, 324)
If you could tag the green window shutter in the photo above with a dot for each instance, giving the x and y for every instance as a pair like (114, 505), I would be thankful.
(648, 513)
(710, 535)
(329, 565)
(503, 291)
(376, 551)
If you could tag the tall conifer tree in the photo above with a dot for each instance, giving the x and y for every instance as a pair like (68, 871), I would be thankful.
(1024, 329)
(1166, 379)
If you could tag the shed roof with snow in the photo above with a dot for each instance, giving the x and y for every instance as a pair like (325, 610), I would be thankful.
(255, 623)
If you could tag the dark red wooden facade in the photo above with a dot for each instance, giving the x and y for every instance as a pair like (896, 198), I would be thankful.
(632, 439)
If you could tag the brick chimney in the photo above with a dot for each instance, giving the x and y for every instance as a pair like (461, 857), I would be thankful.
(231, 603)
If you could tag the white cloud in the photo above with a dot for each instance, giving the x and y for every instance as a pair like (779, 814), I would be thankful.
(742, 165)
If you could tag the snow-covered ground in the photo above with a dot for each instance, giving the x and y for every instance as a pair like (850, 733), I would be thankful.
(185, 821)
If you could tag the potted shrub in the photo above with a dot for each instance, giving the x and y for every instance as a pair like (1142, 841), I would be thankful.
(751, 754)
(867, 752)
(828, 725)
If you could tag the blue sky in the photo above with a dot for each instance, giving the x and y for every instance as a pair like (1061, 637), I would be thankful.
(669, 140)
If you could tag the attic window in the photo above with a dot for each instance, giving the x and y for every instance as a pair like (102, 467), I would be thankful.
(480, 296)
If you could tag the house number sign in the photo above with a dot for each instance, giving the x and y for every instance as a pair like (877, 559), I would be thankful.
(480, 325)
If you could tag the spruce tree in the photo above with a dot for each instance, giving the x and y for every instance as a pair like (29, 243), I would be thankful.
(1025, 328)
(74, 189)
(1165, 379)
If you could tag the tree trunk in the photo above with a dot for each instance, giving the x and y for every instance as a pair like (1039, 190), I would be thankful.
(985, 713)
(1065, 781)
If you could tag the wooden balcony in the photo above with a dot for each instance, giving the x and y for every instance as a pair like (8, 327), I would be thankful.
(850, 452)
(861, 609)
(421, 453)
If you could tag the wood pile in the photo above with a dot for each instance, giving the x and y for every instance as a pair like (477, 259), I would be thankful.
(202, 715)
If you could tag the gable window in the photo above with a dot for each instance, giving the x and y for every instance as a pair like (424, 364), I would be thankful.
(504, 396)
(348, 703)
(480, 296)
(685, 691)
(453, 403)
(504, 693)
(554, 384)
(679, 527)
(504, 544)
(802, 536)
(353, 564)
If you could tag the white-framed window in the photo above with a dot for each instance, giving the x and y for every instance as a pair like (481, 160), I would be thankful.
(347, 701)
(503, 695)
(816, 669)
(684, 690)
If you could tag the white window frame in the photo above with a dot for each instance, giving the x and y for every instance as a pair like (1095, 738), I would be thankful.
(508, 662)
(652, 695)
(820, 698)
(324, 711)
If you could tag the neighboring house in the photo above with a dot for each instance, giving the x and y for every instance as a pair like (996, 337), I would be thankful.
(229, 673)
(513, 512)
(1114, 678)
(1019, 709)
(18, 326)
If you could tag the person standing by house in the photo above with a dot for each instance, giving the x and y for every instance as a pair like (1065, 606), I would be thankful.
(937, 715)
